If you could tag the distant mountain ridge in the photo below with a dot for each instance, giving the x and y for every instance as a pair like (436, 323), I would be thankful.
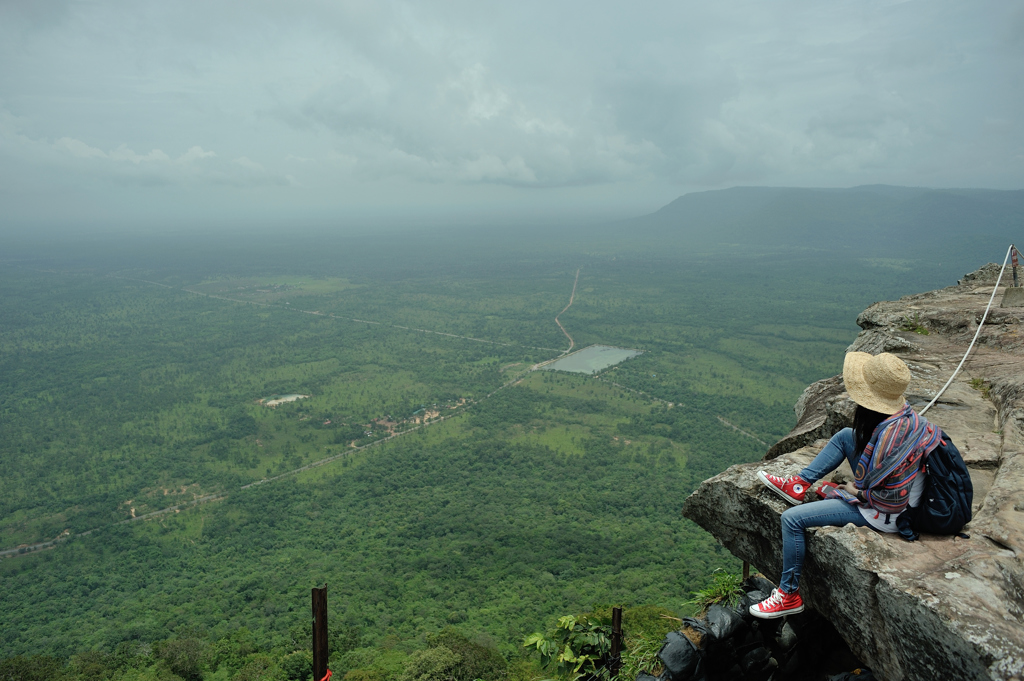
(875, 219)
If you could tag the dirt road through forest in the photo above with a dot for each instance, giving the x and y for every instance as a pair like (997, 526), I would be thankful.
(572, 297)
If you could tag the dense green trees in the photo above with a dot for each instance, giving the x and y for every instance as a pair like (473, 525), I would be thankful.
(120, 397)
(472, 528)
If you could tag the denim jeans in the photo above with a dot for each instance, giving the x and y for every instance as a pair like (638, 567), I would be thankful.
(842, 446)
(831, 512)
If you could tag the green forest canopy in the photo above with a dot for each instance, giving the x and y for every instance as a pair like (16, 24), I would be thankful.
(126, 388)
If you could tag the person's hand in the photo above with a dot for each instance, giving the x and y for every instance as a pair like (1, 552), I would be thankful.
(850, 489)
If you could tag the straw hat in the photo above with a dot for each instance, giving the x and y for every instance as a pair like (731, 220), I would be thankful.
(876, 382)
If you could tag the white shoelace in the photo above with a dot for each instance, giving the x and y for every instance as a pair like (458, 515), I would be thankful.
(773, 600)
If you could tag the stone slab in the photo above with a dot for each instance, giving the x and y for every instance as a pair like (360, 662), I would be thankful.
(1014, 297)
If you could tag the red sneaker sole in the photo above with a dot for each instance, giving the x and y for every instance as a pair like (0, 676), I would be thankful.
(774, 615)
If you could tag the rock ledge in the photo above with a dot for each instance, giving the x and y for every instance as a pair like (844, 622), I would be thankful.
(942, 607)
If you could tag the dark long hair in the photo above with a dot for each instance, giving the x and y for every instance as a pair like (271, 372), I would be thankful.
(864, 423)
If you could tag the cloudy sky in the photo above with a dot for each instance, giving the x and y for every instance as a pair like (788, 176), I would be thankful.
(205, 112)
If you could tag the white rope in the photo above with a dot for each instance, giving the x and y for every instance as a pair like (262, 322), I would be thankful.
(976, 333)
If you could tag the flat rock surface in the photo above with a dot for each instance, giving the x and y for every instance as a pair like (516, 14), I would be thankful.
(942, 607)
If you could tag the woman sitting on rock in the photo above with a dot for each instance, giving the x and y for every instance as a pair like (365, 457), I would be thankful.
(886, 449)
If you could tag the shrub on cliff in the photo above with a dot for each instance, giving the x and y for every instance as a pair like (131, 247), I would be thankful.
(578, 647)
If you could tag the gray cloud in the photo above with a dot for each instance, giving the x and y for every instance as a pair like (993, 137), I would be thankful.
(337, 108)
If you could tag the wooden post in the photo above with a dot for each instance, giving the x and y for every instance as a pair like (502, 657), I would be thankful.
(1013, 254)
(616, 661)
(319, 633)
(746, 570)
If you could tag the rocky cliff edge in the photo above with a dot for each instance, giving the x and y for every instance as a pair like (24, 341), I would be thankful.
(941, 607)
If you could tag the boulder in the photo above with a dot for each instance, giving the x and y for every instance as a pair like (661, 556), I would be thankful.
(942, 607)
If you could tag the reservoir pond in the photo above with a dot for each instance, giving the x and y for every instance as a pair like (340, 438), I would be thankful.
(592, 359)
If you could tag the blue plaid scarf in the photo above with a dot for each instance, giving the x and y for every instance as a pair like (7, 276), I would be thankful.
(892, 459)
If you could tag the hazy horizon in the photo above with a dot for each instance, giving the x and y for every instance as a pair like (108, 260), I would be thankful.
(146, 115)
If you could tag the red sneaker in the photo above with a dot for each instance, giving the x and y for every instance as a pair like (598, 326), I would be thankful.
(791, 489)
(779, 604)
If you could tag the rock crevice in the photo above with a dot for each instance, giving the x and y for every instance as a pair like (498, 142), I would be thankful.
(942, 607)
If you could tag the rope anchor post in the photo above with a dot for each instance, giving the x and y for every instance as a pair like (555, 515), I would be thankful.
(615, 664)
(320, 671)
